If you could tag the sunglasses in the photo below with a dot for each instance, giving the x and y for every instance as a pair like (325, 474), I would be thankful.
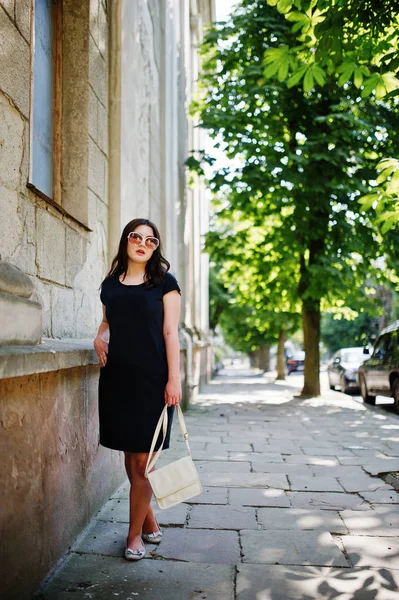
(136, 239)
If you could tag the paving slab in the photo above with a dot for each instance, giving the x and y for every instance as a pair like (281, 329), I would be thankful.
(279, 582)
(200, 546)
(249, 480)
(222, 517)
(274, 467)
(102, 537)
(222, 467)
(368, 551)
(302, 518)
(327, 501)
(315, 548)
(363, 483)
(101, 578)
(382, 520)
(273, 457)
(338, 471)
(381, 496)
(258, 497)
(303, 459)
(381, 465)
(211, 495)
(314, 484)
(327, 450)
(244, 446)
(210, 455)
(282, 447)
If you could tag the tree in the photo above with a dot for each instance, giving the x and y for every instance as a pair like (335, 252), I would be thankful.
(353, 42)
(254, 281)
(303, 160)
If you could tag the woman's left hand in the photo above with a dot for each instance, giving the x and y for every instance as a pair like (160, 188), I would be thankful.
(173, 392)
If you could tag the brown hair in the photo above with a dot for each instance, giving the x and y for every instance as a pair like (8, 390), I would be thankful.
(155, 268)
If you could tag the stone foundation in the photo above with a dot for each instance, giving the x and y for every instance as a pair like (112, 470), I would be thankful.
(54, 474)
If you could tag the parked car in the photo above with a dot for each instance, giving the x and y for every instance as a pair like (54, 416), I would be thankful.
(379, 375)
(296, 362)
(343, 367)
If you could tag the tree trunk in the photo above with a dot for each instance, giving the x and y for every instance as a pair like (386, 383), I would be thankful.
(311, 334)
(262, 357)
(252, 360)
(280, 355)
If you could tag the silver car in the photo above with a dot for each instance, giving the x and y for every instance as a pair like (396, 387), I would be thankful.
(343, 367)
(379, 374)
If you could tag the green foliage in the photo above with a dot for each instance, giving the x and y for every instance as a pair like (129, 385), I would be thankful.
(339, 333)
(219, 298)
(348, 42)
(351, 40)
(385, 196)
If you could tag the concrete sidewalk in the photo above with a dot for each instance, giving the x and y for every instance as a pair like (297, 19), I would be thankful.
(294, 506)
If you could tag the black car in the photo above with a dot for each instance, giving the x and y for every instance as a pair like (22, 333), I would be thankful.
(342, 370)
(379, 375)
(296, 362)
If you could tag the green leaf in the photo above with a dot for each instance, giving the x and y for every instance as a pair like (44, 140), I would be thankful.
(297, 16)
(308, 82)
(390, 81)
(390, 221)
(346, 70)
(380, 90)
(318, 74)
(283, 71)
(358, 77)
(385, 163)
(271, 70)
(276, 54)
(283, 6)
(272, 2)
(368, 200)
(296, 77)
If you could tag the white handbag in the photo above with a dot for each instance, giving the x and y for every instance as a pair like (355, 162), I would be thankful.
(178, 481)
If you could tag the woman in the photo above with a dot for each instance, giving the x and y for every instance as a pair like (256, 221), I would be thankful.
(140, 365)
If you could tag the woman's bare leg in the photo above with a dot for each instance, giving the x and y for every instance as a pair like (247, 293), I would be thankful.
(140, 498)
(150, 524)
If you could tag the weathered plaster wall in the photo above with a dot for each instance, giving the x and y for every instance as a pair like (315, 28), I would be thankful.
(59, 476)
(133, 137)
(140, 111)
(64, 260)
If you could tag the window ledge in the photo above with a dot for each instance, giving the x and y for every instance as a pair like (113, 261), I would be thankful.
(50, 355)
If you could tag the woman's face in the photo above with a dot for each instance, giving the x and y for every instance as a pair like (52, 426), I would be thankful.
(140, 253)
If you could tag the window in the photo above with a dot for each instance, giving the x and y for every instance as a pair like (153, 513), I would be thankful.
(380, 347)
(392, 345)
(59, 150)
(44, 175)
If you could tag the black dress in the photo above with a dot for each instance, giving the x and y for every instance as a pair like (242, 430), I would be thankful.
(132, 383)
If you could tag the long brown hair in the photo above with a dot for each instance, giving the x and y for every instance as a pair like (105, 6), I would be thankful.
(155, 268)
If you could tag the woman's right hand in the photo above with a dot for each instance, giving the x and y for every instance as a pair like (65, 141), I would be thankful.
(101, 349)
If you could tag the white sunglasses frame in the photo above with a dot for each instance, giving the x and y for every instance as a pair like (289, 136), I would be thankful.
(143, 239)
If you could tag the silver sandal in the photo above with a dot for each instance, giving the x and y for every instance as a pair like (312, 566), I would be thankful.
(153, 538)
(135, 554)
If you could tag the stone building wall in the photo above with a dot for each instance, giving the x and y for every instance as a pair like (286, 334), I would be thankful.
(64, 259)
(124, 69)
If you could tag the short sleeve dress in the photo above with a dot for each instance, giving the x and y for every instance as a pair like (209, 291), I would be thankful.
(132, 383)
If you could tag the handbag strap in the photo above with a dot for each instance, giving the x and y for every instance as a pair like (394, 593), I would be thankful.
(163, 422)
